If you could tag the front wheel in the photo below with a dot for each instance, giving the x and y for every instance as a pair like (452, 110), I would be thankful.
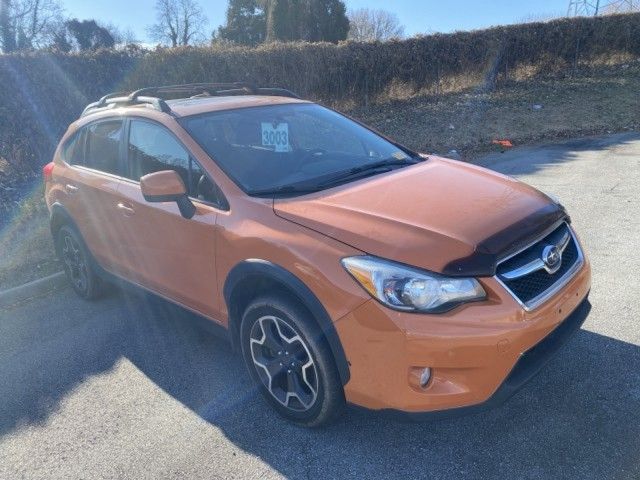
(289, 359)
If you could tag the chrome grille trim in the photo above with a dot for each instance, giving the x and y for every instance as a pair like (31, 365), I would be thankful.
(535, 302)
(542, 236)
(536, 264)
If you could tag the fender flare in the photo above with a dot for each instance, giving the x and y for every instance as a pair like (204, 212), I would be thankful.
(268, 270)
(58, 217)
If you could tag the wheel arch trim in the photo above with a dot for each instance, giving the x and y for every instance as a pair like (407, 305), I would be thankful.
(59, 216)
(269, 271)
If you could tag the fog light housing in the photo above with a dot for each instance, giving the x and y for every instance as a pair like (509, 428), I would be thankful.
(420, 378)
(425, 376)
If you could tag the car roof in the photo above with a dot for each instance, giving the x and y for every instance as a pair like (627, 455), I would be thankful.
(192, 98)
(193, 106)
(190, 106)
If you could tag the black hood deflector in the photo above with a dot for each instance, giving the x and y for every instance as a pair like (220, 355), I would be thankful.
(483, 262)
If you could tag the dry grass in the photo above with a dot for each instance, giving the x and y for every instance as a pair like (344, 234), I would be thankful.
(593, 102)
(26, 245)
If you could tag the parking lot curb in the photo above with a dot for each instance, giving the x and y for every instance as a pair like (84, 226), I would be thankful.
(32, 289)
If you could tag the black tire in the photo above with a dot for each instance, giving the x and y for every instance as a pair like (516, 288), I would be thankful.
(78, 264)
(292, 322)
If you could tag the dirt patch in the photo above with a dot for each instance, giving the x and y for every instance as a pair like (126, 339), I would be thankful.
(526, 112)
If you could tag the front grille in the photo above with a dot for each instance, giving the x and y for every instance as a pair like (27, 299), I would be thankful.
(533, 287)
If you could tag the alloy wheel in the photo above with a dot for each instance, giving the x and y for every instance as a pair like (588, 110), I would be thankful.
(75, 263)
(284, 363)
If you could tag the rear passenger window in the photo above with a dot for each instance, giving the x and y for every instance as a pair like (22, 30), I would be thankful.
(103, 146)
(73, 151)
(152, 149)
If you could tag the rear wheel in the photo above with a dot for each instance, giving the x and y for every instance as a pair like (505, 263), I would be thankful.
(290, 360)
(77, 264)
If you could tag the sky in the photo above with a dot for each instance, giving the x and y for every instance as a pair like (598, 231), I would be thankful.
(417, 16)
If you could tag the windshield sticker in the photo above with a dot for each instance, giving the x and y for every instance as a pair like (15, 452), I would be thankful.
(400, 155)
(276, 136)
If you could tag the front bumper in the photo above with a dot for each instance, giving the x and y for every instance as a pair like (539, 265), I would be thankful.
(480, 354)
(528, 365)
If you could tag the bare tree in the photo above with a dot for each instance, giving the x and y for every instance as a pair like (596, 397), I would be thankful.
(368, 25)
(180, 22)
(7, 34)
(121, 37)
(28, 24)
(44, 17)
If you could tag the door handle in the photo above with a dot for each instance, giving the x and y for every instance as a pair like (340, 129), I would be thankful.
(71, 189)
(125, 209)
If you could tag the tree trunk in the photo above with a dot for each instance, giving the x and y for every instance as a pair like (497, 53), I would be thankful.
(7, 34)
(185, 27)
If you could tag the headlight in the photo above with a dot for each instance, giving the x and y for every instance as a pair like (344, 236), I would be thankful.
(408, 289)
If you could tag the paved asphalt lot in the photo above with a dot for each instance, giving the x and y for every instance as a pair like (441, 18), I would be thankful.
(129, 387)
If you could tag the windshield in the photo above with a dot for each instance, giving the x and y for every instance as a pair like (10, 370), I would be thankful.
(272, 148)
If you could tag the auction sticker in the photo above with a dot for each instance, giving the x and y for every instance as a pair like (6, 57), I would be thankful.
(276, 136)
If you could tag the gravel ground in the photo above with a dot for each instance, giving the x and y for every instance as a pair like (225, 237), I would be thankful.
(129, 387)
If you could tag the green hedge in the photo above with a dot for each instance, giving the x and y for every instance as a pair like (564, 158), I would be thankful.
(42, 92)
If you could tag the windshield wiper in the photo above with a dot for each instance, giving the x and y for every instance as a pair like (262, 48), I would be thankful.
(325, 181)
(389, 162)
(371, 168)
(283, 190)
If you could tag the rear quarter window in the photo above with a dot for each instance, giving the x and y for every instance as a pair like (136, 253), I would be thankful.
(103, 146)
(73, 150)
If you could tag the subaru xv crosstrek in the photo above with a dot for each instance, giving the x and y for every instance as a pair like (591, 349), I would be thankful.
(345, 267)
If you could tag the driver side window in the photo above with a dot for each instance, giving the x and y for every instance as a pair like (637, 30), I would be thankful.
(152, 148)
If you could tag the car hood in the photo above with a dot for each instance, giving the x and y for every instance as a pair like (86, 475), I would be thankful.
(441, 215)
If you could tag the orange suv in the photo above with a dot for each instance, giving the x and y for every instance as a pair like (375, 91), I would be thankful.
(344, 266)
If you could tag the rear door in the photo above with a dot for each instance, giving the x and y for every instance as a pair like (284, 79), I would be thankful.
(165, 252)
(93, 164)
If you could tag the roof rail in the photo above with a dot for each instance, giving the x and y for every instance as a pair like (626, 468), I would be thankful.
(156, 97)
(211, 89)
(114, 100)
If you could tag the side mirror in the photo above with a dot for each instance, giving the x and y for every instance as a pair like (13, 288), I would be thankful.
(167, 186)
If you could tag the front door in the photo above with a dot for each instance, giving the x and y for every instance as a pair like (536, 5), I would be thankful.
(167, 253)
